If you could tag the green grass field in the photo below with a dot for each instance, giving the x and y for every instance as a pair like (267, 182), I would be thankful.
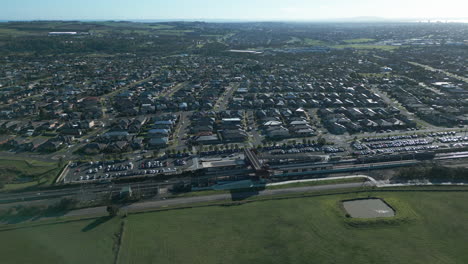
(306, 230)
(430, 227)
(173, 32)
(367, 46)
(314, 42)
(8, 32)
(359, 44)
(27, 173)
(103, 28)
(75, 242)
(358, 40)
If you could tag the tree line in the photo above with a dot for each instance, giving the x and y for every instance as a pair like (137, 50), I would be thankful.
(433, 172)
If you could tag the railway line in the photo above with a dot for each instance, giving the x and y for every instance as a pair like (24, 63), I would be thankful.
(282, 172)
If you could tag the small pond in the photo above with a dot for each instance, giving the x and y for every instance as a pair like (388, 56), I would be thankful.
(368, 208)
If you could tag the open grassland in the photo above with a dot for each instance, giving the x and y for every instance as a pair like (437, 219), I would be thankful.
(11, 32)
(126, 24)
(367, 46)
(430, 227)
(306, 230)
(359, 44)
(84, 241)
(106, 27)
(174, 32)
(314, 42)
(358, 40)
(26, 173)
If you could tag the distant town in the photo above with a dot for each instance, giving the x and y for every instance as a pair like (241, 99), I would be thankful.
(199, 106)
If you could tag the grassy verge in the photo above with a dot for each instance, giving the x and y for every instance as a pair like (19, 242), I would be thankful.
(20, 174)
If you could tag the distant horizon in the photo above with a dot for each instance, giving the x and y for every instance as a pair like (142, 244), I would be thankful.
(362, 19)
(239, 10)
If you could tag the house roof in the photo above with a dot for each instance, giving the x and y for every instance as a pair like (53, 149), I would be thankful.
(159, 141)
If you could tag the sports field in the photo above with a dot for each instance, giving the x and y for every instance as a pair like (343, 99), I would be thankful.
(429, 227)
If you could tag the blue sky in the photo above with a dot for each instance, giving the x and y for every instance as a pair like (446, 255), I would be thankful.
(232, 9)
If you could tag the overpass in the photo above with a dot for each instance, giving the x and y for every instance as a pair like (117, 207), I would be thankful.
(252, 158)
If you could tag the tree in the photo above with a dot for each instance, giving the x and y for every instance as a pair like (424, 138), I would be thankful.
(66, 204)
(113, 210)
(60, 163)
(321, 141)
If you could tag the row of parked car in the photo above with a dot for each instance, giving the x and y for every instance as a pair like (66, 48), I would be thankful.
(305, 148)
(400, 143)
(153, 164)
(406, 149)
(401, 137)
(119, 167)
(286, 147)
(358, 146)
(329, 149)
(294, 150)
(395, 150)
(109, 176)
(107, 168)
(390, 138)
(441, 134)
(453, 139)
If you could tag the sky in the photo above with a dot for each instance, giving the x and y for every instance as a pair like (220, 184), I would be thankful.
(229, 9)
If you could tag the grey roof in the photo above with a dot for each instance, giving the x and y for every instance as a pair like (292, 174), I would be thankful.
(159, 141)
(116, 134)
